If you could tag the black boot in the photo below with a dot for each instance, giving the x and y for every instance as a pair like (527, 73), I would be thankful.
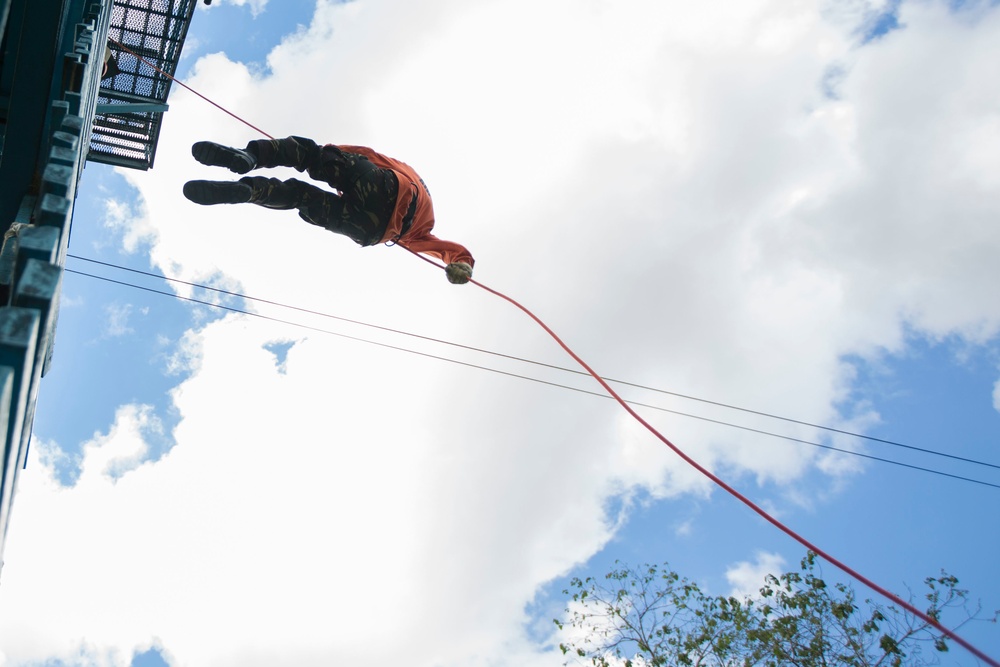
(217, 155)
(207, 193)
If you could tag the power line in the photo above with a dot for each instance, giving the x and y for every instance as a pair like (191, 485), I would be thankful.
(518, 376)
(573, 371)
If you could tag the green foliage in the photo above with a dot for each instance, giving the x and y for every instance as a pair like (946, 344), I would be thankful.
(652, 617)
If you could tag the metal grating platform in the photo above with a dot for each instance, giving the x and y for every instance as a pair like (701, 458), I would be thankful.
(155, 31)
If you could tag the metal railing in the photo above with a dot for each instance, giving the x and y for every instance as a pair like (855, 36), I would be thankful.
(131, 102)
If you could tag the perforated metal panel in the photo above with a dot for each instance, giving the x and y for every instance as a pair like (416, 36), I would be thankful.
(152, 33)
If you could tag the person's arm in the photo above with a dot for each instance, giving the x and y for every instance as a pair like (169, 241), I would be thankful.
(458, 273)
(455, 255)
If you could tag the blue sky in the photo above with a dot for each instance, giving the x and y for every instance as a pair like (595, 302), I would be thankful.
(827, 259)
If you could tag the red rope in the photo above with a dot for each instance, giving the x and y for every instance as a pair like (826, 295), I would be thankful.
(892, 597)
(733, 492)
(184, 85)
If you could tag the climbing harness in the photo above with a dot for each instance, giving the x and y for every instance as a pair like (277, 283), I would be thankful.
(411, 210)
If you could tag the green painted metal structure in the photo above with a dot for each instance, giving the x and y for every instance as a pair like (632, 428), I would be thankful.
(68, 94)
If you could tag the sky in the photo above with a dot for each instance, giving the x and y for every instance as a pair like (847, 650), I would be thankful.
(789, 207)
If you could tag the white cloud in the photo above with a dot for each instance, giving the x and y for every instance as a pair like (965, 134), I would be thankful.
(257, 7)
(130, 221)
(678, 198)
(747, 578)
(117, 319)
(308, 510)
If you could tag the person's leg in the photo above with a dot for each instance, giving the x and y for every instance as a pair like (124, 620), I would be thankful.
(266, 192)
(373, 194)
(297, 152)
(217, 155)
(340, 169)
(336, 213)
(362, 211)
(368, 193)
(209, 193)
(278, 194)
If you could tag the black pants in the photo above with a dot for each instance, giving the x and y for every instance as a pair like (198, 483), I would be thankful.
(367, 193)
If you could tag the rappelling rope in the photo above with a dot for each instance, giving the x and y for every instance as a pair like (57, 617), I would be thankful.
(892, 597)
(729, 489)
(187, 87)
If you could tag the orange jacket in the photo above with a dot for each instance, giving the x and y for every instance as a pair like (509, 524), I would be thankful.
(419, 237)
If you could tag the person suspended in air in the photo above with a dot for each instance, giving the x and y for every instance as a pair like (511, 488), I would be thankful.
(378, 199)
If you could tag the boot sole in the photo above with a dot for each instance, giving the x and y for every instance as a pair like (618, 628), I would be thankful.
(208, 193)
(216, 155)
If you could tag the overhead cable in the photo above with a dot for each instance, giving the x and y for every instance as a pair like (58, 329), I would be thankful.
(528, 377)
(573, 371)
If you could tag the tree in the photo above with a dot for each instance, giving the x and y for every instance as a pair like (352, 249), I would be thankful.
(652, 617)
